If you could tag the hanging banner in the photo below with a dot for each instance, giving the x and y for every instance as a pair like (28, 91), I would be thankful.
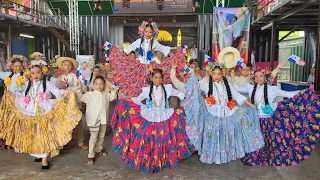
(231, 28)
(311, 37)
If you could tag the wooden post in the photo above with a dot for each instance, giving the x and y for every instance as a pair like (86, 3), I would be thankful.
(317, 65)
(273, 44)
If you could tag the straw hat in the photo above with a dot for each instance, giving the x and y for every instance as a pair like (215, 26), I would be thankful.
(36, 54)
(229, 56)
(60, 61)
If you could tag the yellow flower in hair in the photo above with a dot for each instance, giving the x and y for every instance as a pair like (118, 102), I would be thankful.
(7, 81)
(45, 70)
(20, 80)
(27, 73)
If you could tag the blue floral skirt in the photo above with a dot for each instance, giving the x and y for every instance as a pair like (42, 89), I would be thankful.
(228, 138)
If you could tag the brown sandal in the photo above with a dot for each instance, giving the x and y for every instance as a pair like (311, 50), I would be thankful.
(90, 161)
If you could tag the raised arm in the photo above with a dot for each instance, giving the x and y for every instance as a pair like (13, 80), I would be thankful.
(281, 93)
(132, 47)
(176, 82)
(159, 47)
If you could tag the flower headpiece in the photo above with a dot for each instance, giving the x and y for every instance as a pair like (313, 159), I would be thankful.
(43, 65)
(266, 71)
(22, 59)
(209, 66)
(100, 67)
(143, 26)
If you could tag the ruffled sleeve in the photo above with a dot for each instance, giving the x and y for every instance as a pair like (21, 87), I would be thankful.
(132, 47)
(242, 89)
(54, 90)
(138, 100)
(237, 96)
(4, 75)
(278, 92)
(159, 47)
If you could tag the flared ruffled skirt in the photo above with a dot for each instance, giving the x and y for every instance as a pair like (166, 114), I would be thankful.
(131, 75)
(149, 146)
(291, 133)
(228, 138)
(40, 134)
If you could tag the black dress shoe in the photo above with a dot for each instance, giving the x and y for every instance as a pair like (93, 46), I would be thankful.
(46, 167)
(37, 159)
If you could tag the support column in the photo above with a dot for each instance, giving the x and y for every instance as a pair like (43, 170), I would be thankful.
(317, 65)
(9, 42)
(273, 44)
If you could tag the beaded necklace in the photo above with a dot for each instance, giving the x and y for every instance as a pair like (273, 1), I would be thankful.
(34, 93)
(154, 101)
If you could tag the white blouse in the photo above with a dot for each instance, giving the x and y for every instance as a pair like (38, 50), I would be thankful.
(161, 113)
(221, 109)
(14, 88)
(34, 93)
(273, 92)
(156, 46)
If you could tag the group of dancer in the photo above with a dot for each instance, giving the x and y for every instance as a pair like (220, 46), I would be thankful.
(221, 117)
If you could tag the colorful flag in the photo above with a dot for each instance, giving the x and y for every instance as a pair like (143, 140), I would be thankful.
(297, 60)
(107, 45)
(184, 49)
(208, 58)
(241, 63)
(187, 69)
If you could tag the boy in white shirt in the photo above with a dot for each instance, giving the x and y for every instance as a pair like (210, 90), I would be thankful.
(69, 81)
(97, 115)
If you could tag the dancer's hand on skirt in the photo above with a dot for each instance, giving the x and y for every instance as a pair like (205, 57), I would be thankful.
(253, 106)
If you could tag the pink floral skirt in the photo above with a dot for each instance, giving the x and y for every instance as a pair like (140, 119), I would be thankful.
(149, 146)
(131, 75)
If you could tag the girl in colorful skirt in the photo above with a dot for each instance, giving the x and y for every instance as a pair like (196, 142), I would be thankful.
(14, 81)
(131, 74)
(229, 133)
(151, 136)
(35, 124)
(290, 128)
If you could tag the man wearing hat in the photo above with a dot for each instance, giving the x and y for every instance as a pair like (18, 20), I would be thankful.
(69, 81)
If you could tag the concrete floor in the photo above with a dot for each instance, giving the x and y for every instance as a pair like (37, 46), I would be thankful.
(72, 164)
